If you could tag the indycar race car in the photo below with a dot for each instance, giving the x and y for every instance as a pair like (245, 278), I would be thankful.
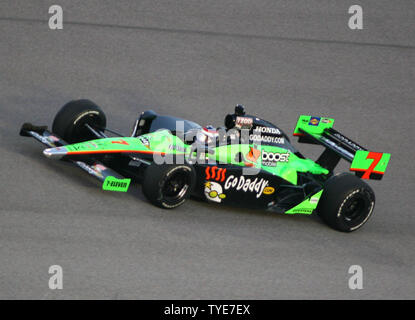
(250, 162)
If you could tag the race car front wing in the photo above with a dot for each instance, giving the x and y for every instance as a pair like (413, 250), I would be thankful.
(111, 180)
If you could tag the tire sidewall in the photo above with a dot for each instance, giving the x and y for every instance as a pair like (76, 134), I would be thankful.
(155, 178)
(72, 116)
(337, 192)
(79, 120)
(369, 202)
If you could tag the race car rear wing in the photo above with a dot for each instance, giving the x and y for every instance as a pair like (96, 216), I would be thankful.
(319, 130)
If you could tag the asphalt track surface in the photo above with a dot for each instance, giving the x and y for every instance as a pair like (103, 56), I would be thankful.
(196, 60)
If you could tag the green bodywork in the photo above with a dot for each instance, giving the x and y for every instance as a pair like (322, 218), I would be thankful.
(163, 143)
(313, 125)
(307, 206)
(156, 142)
(286, 170)
(364, 160)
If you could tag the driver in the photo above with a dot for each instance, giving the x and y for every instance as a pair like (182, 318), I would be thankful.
(210, 135)
(207, 135)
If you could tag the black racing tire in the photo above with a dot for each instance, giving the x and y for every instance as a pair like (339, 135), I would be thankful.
(168, 185)
(347, 202)
(69, 122)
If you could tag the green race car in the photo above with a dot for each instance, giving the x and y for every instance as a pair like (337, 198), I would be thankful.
(249, 162)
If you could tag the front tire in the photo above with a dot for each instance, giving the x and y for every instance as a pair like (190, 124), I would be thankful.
(346, 203)
(69, 122)
(168, 186)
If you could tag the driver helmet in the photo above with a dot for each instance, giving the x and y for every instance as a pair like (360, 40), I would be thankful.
(207, 135)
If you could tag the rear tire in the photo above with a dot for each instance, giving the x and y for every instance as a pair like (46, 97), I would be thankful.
(168, 185)
(346, 203)
(69, 122)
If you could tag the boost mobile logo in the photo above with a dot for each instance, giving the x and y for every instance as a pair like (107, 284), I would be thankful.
(271, 158)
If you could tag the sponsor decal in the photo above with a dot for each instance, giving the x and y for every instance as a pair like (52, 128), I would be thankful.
(266, 139)
(325, 120)
(120, 141)
(347, 141)
(145, 141)
(214, 191)
(43, 139)
(90, 169)
(215, 173)
(85, 114)
(252, 156)
(314, 121)
(244, 122)
(77, 147)
(177, 148)
(99, 167)
(337, 147)
(92, 145)
(84, 146)
(302, 210)
(269, 190)
(314, 199)
(246, 185)
(53, 138)
(270, 159)
(269, 130)
(113, 184)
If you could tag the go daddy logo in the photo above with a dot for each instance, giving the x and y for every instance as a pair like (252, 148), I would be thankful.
(246, 184)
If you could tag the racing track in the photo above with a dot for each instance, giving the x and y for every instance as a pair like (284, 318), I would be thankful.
(197, 60)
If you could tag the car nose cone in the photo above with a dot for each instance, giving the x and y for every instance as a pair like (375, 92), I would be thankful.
(55, 153)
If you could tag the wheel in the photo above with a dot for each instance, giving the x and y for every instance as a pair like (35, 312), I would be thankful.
(168, 185)
(346, 203)
(69, 122)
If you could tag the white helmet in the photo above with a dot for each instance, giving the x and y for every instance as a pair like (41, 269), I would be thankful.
(207, 135)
